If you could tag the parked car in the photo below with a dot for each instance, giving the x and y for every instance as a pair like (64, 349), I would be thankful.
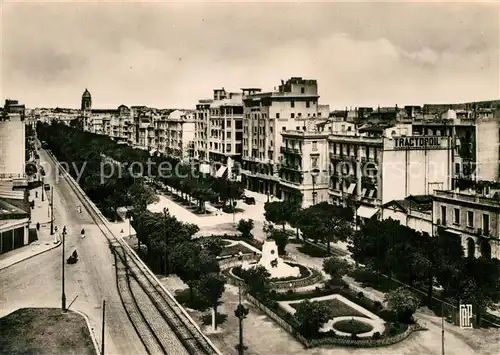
(249, 200)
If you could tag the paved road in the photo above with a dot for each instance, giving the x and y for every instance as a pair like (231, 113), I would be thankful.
(36, 282)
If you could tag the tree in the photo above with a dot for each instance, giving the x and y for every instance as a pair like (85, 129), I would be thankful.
(403, 302)
(326, 222)
(281, 239)
(277, 212)
(371, 245)
(212, 286)
(311, 316)
(245, 228)
(192, 263)
(336, 267)
(213, 244)
(257, 279)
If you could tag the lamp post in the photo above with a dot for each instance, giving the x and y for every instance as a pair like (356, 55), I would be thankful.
(52, 210)
(63, 294)
(43, 187)
(314, 175)
(241, 312)
(165, 213)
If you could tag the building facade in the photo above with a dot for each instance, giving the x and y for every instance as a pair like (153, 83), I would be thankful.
(218, 134)
(293, 106)
(469, 218)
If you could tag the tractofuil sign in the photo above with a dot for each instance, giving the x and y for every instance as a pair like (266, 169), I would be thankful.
(416, 142)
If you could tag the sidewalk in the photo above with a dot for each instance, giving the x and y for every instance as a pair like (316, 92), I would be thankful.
(45, 242)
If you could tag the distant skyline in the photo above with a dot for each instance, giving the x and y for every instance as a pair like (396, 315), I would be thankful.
(170, 55)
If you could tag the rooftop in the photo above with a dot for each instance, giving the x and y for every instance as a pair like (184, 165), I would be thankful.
(9, 210)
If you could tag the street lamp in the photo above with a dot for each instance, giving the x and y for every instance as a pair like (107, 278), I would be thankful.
(314, 175)
(63, 294)
(52, 210)
(165, 213)
(241, 313)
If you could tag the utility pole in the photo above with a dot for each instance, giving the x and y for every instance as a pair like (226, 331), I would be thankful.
(442, 328)
(43, 187)
(63, 295)
(241, 312)
(103, 324)
(165, 212)
(52, 210)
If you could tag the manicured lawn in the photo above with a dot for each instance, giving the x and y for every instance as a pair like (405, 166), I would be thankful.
(44, 331)
(337, 308)
(235, 249)
(352, 326)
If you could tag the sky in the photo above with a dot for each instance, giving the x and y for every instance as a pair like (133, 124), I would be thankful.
(170, 55)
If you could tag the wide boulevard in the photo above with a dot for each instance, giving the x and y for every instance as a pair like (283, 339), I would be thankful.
(36, 282)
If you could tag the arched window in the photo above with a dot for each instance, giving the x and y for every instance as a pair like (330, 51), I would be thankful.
(486, 249)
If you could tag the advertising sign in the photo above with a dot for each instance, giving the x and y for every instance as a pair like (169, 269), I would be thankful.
(417, 142)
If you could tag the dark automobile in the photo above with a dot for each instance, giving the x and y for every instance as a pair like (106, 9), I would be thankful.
(249, 200)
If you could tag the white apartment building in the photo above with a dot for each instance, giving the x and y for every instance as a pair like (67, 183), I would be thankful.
(178, 135)
(293, 106)
(218, 134)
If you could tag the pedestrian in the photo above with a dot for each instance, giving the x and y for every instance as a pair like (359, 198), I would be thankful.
(83, 233)
(37, 226)
(79, 209)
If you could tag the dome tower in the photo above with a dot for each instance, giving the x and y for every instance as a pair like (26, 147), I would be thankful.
(86, 100)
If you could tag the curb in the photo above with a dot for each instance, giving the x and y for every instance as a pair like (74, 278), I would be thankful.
(31, 256)
(91, 330)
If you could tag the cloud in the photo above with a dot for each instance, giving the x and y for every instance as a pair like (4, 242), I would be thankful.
(174, 54)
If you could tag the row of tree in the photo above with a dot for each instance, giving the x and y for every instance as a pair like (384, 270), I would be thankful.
(322, 222)
(419, 260)
(112, 186)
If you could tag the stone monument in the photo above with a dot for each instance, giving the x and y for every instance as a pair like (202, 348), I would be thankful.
(274, 264)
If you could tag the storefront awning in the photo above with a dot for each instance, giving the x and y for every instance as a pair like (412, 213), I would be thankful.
(350, 190)
(221, 171)
(366, 212)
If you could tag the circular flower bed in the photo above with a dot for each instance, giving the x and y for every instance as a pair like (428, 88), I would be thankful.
(352, 326)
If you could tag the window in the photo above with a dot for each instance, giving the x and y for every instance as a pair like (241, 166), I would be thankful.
(302, 90)
(315, 146)
(456, 216)
(283, 129)
(308, 104)
(277, 115)
(292, 104)
(314, 162)
(297, 128)
(486, 224)
(292, 115)
(470, 219)
(228, 135)
(457, 168)
(443, 215)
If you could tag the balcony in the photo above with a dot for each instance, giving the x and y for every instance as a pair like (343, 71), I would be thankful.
(291, 150)
(293, 167)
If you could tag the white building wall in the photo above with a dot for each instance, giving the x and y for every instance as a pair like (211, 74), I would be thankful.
(487, 149)
(414, 172)
(12, 146)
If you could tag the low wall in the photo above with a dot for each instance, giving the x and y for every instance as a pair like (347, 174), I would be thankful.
(339, 341)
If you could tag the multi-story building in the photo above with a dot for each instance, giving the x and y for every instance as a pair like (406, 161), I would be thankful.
(179, 135)
(14, 207)
(475, 135)
(294, 106)
(219, 132)
(14, 107)
(470, 218)
(364, 168)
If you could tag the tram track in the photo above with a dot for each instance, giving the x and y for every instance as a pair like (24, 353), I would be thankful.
(158, 319)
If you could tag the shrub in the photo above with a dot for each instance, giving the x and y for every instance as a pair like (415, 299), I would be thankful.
(361, 294)
(376, 335)
(352, 326)
(377, 304)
